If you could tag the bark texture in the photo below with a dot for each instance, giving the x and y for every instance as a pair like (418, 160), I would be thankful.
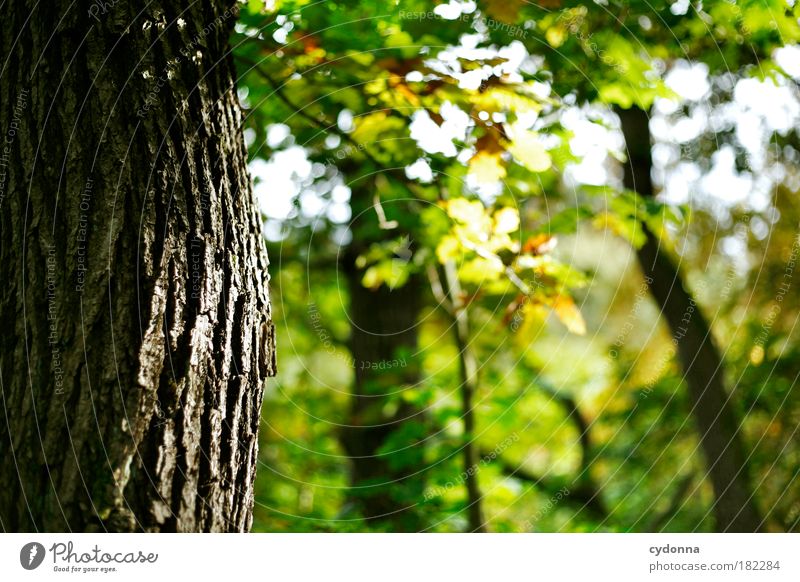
(716, 420)
(136, 323)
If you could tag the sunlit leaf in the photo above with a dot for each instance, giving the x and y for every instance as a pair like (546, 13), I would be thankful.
(506, 220)
(481, 269)
(393, 273)
(466, 211)
(569, 314)
(528, 150)
(556, 35)
(487, 168)
(448, 248)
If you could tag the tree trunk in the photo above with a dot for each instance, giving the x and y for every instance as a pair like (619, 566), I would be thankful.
(136, 323)
(734, 508)
(388, 484)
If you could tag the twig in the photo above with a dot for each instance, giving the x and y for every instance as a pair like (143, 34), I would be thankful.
(438, 291)
(469, 384)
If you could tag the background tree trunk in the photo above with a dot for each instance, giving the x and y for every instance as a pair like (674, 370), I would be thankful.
(387, 485)
(734, 507)
(136, 324)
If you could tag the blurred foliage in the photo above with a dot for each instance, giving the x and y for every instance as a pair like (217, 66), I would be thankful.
(444, 124)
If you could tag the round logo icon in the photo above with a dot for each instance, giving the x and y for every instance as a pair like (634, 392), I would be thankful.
(31, 555)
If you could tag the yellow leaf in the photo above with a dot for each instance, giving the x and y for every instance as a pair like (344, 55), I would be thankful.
(528, 323)
(506, 220)
(568, 313)
(466, 211)
(487, 168)
(520, 99)
(757, 355)
(479, 270)
(448, 248)
(556, 35)
(372, 278)
(528, 150)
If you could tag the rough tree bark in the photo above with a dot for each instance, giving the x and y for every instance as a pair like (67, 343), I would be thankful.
(137, 331)
(734, 508)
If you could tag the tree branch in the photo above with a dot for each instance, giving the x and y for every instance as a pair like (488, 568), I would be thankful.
(469, 385)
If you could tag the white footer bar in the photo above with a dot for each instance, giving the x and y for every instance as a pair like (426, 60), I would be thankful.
(401, 557)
